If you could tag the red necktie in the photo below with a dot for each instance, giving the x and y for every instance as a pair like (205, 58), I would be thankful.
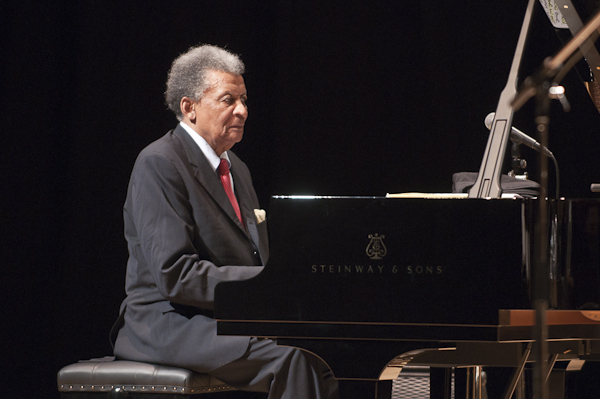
(223, 170)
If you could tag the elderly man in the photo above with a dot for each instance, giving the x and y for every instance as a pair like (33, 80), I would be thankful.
(190, 223)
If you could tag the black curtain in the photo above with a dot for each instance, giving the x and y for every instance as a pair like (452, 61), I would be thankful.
(345, 98)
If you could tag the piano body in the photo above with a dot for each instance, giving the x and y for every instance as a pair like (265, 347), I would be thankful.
(370, 284)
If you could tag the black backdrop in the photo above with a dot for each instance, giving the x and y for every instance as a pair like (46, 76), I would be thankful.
(346, 98)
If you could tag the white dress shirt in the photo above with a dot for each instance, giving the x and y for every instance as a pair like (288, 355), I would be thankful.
(208, 151)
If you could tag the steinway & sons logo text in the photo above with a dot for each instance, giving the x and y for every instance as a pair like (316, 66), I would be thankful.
(376, 250)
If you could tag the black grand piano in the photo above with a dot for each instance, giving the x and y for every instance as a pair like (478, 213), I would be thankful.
(363, 282)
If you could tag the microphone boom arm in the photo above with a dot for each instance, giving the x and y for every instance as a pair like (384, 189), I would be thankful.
(551, 66)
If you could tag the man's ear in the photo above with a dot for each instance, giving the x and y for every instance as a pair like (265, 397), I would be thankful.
(188, 108)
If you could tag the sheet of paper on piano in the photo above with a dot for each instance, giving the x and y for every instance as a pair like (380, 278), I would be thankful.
(442, 195)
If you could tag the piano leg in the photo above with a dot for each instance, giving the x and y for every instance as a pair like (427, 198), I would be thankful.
(556, 384)
(518, 373)
(365, 389)
(469, 383)
(440, 383)
(476, 382)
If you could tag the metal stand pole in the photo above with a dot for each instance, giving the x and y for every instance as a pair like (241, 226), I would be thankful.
(541, 281)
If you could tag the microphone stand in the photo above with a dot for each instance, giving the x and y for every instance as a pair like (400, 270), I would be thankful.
(518, 164)
(551, 66)
(539, 86)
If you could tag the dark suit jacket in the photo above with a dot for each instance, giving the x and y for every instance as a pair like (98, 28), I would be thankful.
(184, 238)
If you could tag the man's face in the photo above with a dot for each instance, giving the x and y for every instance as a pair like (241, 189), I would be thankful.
(222, 112)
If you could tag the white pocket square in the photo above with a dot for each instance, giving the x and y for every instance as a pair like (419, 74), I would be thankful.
(261, 215)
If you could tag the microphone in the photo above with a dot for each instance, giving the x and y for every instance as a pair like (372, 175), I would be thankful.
(518, 137)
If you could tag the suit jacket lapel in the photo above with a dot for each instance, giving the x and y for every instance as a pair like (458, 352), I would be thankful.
(243, 192)
(207, 177)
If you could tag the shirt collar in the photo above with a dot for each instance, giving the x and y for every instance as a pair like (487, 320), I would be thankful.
(206, 149)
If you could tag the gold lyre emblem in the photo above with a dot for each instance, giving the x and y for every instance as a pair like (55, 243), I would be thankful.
(376, 248)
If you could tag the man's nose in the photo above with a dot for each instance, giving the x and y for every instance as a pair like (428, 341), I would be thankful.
(241, 110)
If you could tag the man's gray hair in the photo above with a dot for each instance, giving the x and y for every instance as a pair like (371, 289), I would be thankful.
(188, 74)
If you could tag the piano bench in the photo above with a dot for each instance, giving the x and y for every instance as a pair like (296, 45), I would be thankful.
(122, 379)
